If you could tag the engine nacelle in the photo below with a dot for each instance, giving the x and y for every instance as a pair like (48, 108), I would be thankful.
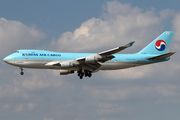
(66, 72)
(90, 59)
(65, 65)
(93, 59)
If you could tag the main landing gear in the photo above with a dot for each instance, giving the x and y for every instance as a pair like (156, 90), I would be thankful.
(22, 73)
(85, 73)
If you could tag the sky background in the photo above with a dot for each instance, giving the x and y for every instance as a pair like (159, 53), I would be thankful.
(147, 92)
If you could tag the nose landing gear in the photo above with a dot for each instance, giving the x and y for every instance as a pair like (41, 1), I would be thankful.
(22, 73)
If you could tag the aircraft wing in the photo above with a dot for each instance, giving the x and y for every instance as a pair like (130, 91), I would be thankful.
(93, 60)
(105, 55)
(115, 50)
(90, 62)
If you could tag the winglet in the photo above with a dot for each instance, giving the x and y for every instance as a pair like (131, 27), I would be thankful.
(129, 44)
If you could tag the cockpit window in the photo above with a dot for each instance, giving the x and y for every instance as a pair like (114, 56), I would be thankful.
(16, 51)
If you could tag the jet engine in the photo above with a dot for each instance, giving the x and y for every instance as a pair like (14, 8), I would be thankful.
(67, 64)
(66, 72)
(92, 59)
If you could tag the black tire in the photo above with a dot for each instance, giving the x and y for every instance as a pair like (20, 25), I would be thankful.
(90, 74)
(86, 74)
(22, 73)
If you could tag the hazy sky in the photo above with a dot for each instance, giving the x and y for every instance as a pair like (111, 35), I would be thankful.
(149, 92)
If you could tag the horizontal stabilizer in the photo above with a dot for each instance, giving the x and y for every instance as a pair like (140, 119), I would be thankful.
(164, 56)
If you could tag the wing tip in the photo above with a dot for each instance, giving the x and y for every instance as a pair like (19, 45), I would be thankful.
(130, 44)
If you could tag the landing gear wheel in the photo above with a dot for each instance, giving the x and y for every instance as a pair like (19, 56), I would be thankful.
(90, 74)
(79, 72)
(85, 73)
(81, 77)
(22, 73)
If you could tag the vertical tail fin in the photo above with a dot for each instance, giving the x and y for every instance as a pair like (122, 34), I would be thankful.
(159, 45)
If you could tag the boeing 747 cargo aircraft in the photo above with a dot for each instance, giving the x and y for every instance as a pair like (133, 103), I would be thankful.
(87, 63)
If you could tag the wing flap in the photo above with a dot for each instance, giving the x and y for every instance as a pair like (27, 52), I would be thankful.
(164, 56)
(91, 66)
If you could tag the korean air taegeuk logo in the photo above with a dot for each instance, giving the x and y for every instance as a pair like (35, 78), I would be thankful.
(160, 45)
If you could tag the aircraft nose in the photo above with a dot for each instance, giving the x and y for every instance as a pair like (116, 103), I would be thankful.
(5, 59)
(8, 59)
